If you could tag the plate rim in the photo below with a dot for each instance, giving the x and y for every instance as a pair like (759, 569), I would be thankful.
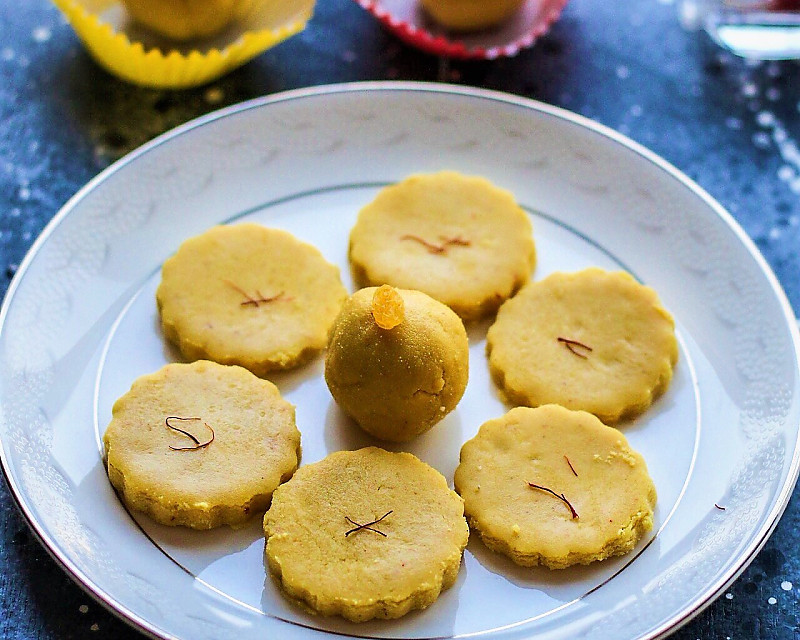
(670, 625)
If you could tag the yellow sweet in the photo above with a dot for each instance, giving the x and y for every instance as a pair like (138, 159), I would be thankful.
(321, 556)
(459, 239)
(397, 382)
(602, 497)
(248, 295)
(471, 15)
(186, 19)
(200, 444)
(594, 340)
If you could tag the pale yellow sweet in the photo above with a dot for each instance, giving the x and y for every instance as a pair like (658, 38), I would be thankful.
(471, 15)
(249, 295)
(460, 239)
(593, 340)
(363, 574)
(186, 19)
(397, 383)
(252, 445)
(610, 490)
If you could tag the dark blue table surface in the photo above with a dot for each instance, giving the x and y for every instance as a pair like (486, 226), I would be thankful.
(730, 124)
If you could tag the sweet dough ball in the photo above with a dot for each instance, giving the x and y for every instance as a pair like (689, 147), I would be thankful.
(186, 19)
(200, 444)
(248, 295)
(593, 340)
(460, 239)
(397, 383)
(471, 15)
(408, 556)
(554, 487)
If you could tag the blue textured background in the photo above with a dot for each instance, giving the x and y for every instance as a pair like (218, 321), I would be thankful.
(729, 124)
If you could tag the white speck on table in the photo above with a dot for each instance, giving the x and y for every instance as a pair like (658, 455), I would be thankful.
(750, 90)
(41, 34)
(762, 140)
(765, 119)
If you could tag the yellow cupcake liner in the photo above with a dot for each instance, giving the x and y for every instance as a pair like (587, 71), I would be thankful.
(141, 57)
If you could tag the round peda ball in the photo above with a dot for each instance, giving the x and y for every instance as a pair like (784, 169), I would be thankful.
(200, 444)
(592, 340)
(248, 295)
(460, 239)
(186, 19)
(554, 487)
(471, 15)
(396, 382)
(365, 534)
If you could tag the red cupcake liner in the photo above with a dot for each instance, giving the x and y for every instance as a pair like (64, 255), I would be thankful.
(407, 20)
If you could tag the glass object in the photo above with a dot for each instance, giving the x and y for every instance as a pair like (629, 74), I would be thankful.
(764, 29)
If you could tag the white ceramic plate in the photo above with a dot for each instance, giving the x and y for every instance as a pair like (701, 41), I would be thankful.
(79, 325)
